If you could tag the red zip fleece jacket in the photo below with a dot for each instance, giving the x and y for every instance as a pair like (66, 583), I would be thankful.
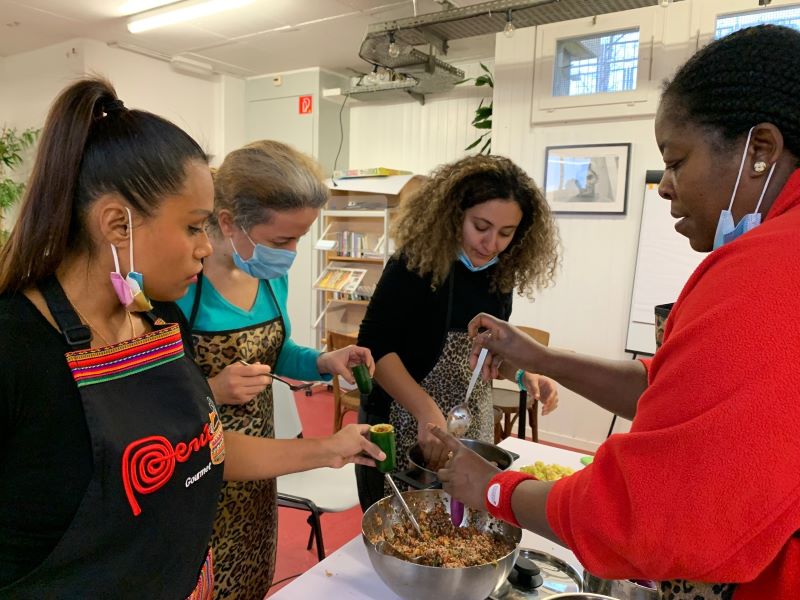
(706, 486)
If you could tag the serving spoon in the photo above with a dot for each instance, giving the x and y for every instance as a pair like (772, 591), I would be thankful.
(459, 419)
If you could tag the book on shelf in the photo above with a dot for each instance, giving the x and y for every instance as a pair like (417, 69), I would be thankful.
(355, 244)
(363, 293)
(372, 172)
(340, 279)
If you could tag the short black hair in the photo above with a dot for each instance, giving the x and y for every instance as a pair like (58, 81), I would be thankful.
(748, 77)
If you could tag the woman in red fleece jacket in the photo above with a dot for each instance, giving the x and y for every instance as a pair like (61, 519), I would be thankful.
(703, 494)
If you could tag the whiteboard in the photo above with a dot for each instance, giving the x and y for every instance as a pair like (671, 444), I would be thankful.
(664, 261)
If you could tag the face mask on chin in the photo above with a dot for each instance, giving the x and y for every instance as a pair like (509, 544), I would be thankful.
(462, 256)
(266, 262)
(727, 231)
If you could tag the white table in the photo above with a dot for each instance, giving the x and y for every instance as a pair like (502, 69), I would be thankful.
(347, 573)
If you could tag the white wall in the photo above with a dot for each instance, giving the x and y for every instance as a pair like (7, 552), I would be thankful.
(209, 109)
(587, 309)
(28, 84)
(412, 136)
(149, 84)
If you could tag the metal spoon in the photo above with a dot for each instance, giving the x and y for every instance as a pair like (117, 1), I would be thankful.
(295, 387)
(459, 417)
(407, 510)
(458, 421)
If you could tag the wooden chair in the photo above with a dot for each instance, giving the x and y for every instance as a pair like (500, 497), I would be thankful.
(342, 401)
(507, 401)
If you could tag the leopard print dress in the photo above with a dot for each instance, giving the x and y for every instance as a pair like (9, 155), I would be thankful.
(447, 384)
(678, 589)
(245, 533)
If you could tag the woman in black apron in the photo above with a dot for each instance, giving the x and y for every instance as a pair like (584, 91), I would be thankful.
(267, 195)
(477, 230)
(113, 451)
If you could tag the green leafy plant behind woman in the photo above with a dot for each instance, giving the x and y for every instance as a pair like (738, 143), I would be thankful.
(12, 146)
(483, 114)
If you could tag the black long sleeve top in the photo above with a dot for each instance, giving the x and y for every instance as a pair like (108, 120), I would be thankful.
(407, 317)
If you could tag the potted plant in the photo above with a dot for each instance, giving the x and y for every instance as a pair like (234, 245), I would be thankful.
(13, 145)
(483, 114)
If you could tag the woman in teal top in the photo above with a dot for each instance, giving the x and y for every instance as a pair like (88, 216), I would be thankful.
(266, 196)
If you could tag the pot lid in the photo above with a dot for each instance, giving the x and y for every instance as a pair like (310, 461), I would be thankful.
(538, 575)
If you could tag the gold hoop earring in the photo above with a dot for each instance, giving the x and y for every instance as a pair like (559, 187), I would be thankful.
(760, 166)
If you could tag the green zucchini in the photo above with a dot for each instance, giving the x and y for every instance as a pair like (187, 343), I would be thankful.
(382, 435)
(363, 380)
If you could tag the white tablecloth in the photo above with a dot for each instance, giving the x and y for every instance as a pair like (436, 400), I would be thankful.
(347, 573)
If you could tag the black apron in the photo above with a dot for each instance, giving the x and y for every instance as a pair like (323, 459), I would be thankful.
(245, 536)
(143, 525)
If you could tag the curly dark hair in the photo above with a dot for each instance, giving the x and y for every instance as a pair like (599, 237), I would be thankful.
(428, 230)
(738, 81)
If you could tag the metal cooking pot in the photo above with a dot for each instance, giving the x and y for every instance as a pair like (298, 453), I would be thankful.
(623, 589)
(420, 582)
(502, 458)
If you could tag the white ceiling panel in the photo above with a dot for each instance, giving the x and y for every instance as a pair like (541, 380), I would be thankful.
(329, 33)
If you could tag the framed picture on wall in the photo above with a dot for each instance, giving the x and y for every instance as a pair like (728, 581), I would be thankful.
(589, 179)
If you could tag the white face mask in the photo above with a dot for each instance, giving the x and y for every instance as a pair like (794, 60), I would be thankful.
(727, 231)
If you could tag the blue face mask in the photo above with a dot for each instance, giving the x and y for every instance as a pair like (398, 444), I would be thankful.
(462, 256)
(266, 262)
(727, 231)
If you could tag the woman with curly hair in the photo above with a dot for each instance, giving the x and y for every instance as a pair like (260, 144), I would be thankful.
(477, 230)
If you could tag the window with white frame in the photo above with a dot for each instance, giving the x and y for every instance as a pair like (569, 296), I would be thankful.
(788, 16)
(596, 64)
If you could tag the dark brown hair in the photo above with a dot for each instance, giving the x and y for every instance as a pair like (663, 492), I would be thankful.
(90, 145)
(428, 228)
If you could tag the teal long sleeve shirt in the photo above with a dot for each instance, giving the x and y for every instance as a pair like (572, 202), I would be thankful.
(216, 314)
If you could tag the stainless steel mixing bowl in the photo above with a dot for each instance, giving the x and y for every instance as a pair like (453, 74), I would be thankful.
(420, 582)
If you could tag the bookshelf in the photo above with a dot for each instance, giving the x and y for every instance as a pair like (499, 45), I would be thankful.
(354, 245)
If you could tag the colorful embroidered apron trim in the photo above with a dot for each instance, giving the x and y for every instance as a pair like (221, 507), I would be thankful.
(204, 589)
(126, 358)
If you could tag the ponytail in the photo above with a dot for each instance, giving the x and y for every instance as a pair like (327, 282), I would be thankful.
(90, 145)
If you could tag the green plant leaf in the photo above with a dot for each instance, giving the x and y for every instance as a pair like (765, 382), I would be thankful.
(10, 192)
(482, 112)
(482, 80)
(487, 147)
(486, 69)
(483, 125)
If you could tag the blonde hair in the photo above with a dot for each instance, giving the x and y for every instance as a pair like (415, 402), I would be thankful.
(428, 230)
(261, 178)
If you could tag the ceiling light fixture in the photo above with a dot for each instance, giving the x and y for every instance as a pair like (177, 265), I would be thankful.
(181, 12)
(665, 3)
(508, 30)
(394, 49)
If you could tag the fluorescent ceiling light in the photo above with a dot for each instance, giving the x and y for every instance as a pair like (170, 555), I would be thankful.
(183, 11)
